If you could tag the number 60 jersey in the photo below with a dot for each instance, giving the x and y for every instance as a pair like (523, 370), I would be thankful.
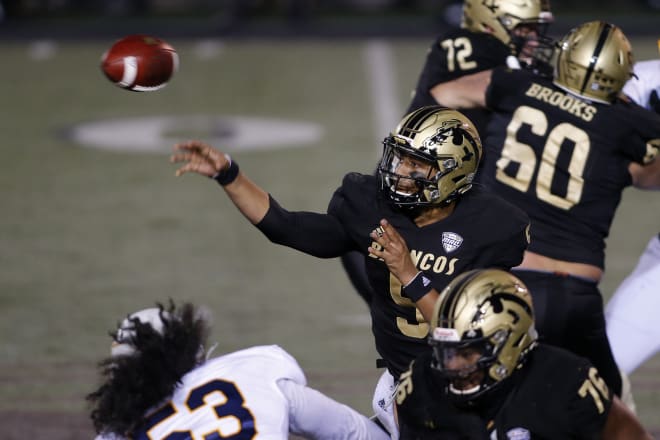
(563, 160)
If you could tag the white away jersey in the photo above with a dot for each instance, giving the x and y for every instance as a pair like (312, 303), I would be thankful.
(232, 396)
(648, 79)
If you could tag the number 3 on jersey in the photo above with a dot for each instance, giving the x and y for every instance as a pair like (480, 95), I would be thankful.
(232, 408)
(417, 330)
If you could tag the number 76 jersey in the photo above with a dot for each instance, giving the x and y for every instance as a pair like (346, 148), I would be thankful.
(563, 160)
(554, 395)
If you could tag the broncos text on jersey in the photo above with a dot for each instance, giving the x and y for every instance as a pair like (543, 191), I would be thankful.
(483, 231)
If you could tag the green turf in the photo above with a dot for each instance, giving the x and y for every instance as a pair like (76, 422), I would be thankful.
(89, 235)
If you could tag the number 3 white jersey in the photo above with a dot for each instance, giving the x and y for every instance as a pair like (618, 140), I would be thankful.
(232, 396)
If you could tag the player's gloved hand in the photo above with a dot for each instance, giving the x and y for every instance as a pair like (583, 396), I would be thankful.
(654, 101)
(200, 158)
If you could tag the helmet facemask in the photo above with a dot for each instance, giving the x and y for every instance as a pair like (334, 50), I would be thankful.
(416, 188)
(152, 321)
(466, 363)
(516, 23)
(535, 51)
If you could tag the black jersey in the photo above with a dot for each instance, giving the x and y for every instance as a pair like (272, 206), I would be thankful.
(555, 395)
(456, 53)
(483, 231)
(563, 160)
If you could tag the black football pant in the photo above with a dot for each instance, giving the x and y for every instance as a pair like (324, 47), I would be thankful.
(569, 313)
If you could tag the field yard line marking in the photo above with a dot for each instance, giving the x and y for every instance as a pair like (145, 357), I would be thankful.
(209, 49)
(41, 50)
(382, 86)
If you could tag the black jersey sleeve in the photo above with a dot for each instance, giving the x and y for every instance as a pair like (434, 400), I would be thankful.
(643, 137)
(504, 82)
(461, 53)
(559, 395)
(589, 403)
(320, 235)
(454, 54)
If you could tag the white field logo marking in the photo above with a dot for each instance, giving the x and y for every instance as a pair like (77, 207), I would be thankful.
(157, 134)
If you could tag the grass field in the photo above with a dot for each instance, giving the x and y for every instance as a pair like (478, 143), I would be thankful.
(88, 235)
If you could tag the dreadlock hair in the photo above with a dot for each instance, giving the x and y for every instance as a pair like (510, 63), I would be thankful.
(139, 381)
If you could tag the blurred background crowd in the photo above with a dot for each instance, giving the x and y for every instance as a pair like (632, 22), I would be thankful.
(237, 17)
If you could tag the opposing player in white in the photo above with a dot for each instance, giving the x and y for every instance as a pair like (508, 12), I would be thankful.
(631, 313)
(159, 386)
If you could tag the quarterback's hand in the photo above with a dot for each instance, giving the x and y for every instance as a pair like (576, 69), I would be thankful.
(199, 158)
(394, 251)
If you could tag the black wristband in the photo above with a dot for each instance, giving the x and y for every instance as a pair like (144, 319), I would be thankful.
(417, 287)
(225, 177)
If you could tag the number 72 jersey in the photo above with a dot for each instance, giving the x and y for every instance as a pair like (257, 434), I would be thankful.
(456, 53)
(563, 160)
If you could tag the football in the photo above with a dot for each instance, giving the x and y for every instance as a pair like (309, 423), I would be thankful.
(140, 63)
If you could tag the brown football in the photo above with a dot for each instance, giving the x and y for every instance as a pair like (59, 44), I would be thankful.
(140, 63)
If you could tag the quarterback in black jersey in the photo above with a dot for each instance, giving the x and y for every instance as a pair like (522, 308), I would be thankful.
(487, 376)
(418, 223)
(564, 150)
(493, 33)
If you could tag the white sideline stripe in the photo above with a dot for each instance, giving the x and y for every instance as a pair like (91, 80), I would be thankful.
(382, 84)
(157, 133)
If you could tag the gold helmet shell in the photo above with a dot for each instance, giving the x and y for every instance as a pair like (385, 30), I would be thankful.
(492, 309)
(501, 17)
(442, 137)
(594, 61)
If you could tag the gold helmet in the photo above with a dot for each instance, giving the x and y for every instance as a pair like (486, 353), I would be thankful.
(501, 17)
(489, 312)
(594, 61)
(444, 138)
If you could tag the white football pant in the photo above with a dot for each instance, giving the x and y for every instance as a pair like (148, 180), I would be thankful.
(632, 312)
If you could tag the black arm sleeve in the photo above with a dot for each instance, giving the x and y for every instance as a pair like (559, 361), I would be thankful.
(320, 235)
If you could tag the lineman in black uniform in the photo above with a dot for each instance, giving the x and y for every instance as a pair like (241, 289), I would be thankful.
(564, 151)
(487, 377)
(423, 191)
(494, 33)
